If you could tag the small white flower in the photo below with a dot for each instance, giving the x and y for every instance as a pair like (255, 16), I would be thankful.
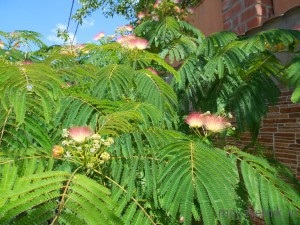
(68, 154)
(96, 146)
(96, 137)
(65, 133)
(65, 142)
(105, 156)
(96, 142)
(110, 140)
(106, 143)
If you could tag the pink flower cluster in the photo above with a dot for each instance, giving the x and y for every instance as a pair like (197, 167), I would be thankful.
(124, 29)
(132, 42)
(163, 8)
(99, 36)
(208, 121)
(79, 134)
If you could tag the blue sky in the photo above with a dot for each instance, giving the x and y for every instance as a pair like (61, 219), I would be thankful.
(45, 16)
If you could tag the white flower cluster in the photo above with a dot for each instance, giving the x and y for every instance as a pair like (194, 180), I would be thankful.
(105, 156)
(84, 146)
(108, 142)
(65, 133)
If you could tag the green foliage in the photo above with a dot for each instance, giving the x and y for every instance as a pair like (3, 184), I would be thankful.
(292, 77)
(126, 8)
(269, 196)
(35, 196)
(190, 182)
(152, 172)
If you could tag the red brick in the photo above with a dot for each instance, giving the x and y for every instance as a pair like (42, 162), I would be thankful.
(284, 96)
(294, 115)
(285, 155)
(296, 108)
(226, 4)
(235, 21)
(249, 2)
(236, 9)
(294, 149)
(278, 116)
(241, 29)
(228, 25)
(288, 161)
(254, 22)
(273, 109)
(291, 125)
(289, 129)
(268, 130)
(265, 139)
(286, 93)
(248, 14)
(275, 120)
(296, 146)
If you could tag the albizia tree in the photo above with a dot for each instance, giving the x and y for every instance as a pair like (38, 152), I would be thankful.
(95, 135)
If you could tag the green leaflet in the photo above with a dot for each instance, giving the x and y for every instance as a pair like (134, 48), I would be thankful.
(191, 175)
(293, 78)
(33, 192)
(269, 195)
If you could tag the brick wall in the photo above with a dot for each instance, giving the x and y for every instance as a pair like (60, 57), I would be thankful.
(279, 135)
(242, 15)
(281, 132)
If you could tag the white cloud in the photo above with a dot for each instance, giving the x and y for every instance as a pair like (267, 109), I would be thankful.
(57, 40)
(87, 23)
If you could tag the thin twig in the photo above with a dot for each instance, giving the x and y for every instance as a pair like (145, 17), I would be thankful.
(133, 199)
(62, 201)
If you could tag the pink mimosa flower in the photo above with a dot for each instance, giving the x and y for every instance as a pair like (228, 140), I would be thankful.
(99, 36)
(129, 43)
(140, 43)
(128, 28)
(1, 44)
(152, 70)
(79, 134)
(140, 15)
(124, 39)
(195, 119)
(215, 123)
